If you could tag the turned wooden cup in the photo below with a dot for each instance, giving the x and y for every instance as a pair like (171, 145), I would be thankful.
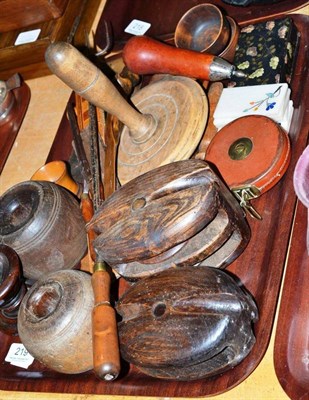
(54, 321)
(12, 289)
(57, 172)
(203, 28)
(228, 52)
(42, 222)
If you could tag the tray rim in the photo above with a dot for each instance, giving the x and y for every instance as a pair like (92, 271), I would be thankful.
(286, 373)
(278, 280)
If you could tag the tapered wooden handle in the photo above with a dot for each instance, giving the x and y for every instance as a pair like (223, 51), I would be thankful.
(144, 55)
(89, 82)
(106, 356)
(105, 346)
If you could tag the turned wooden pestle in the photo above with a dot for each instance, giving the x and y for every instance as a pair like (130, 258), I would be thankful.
(89, 82)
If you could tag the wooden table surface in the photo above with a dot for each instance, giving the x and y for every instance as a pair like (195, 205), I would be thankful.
(49, 97)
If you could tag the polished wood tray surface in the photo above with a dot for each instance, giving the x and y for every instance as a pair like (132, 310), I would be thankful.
(291, 342)
(259, 269)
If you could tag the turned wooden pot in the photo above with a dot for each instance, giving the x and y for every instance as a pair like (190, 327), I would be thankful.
(54, 321)
(12, 289)
(42, 222)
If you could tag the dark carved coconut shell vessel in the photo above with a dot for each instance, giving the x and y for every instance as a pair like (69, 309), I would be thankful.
(186, 323)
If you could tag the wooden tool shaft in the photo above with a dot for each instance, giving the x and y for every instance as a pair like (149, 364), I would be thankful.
(89, 82)
(143, 55)
(213, 94)
(111, 139)
(87, 213)
(106, 358)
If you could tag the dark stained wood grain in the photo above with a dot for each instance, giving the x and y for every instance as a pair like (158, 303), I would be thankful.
(259, 269)
(181, 312)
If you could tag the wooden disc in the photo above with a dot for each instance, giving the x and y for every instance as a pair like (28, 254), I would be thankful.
(180, 108)
(250, 151)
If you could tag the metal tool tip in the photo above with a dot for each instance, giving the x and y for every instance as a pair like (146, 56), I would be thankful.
(239, 74)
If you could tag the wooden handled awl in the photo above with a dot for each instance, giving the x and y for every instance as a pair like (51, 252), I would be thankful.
(144, 55)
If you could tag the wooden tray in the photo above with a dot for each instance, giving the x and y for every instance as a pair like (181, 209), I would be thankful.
(291, 343)
(259, 268)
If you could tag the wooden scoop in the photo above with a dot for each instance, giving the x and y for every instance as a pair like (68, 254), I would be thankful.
(168, 126)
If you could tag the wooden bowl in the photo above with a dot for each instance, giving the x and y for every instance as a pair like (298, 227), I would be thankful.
(203, 28)
(229, 52)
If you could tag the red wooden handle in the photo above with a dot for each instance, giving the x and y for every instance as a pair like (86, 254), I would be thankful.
(143, 55)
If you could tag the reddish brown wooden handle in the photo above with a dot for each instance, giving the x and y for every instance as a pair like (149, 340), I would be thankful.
(105, 346)
(89, 82)
(143, 55)
(106, 357)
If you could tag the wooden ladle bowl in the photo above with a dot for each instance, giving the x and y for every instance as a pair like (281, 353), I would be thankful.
(203, 28)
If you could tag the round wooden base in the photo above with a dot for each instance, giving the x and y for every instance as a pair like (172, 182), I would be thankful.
(180, 109)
